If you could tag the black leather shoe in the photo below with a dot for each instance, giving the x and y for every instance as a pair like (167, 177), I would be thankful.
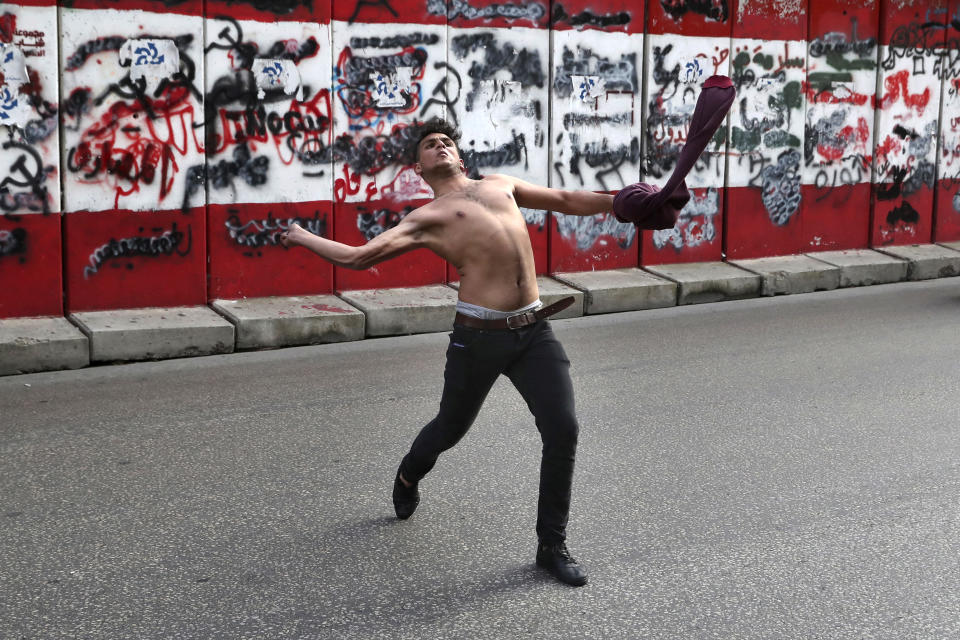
(556, 559)
(405, 499)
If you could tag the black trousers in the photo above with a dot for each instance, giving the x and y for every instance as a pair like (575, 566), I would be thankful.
(534, 361)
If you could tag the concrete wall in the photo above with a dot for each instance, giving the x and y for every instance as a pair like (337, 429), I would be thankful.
(153, 151)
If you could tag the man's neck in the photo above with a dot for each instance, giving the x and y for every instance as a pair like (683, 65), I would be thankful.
(443, 186)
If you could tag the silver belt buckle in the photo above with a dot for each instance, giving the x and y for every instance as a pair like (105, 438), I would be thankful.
(520, 318)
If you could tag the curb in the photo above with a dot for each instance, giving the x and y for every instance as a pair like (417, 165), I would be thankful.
(29, 345)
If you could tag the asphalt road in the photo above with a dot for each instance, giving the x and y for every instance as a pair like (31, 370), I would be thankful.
(775, 468)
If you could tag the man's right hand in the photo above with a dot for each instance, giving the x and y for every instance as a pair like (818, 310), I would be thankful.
(289, 238)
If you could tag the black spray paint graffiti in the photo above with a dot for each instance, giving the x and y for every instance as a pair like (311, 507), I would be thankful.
(662, 152)
(445, 101)
(249, 120)
(532, 11)
(617, 75)
(523, 65)
(904, 214)
(586, 230)
(913, 40)
(598, 155)
(694, 225)
(905, 181)
(713, 9)
(779, 186)
(13, 243)
(230, 39)
(92, 48)
(136, 90)
(588, 18)
(167, 243)
(595, 120)
(400, 41)
(370, 154)
(357, 69)
(28, 172)
(509, 154)
(834, 46)
(277, 7)
(251, 169)
(261, 233)
(373, 223)
(371, 3)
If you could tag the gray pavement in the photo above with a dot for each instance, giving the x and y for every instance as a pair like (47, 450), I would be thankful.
(774, 467)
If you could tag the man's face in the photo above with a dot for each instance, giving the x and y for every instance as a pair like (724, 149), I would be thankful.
(437, 153)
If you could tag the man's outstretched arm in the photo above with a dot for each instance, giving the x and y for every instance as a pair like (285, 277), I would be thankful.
(406, 236)
(577, 203)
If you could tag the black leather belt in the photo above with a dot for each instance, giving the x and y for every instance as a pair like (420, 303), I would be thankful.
(517, 321)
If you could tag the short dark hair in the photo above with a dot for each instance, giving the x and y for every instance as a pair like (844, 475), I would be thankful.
(436, 125)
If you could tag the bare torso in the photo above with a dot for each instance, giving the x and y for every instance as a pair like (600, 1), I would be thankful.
(481, 231)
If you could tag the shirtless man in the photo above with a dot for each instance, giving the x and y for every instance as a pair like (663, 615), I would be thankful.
(477, 226)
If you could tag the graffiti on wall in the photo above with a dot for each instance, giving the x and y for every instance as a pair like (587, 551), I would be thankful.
(596, 97)
(908, 100)
(678, 67)
(132, 124)
(838, 129)
(153, 243)
(677, 71)
(502, 77)
(383, 81)
(767, 122)
(263, 232)
(267, 110)
(29, 151)
(948, 68)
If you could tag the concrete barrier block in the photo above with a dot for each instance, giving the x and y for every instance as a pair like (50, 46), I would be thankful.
(281, 321)
(28, 345)
(405, 310)
(154, 333)
(926, 261)
(709, 281)
(621, 290)
(552, 290)
(950, 245)
(791, 274)
(859, 267)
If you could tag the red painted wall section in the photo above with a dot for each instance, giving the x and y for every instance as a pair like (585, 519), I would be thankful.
(609, 16)
(947, 214)
(30, 266)
(579, 243)
(388, 11)
(908, 102)
(356, 223)
(276, 10)
(131, 259)
(247, 259)
(770, 19)
(838, 142)
(709, 18)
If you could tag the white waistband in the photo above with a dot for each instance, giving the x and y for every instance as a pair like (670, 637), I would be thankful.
(476, 311)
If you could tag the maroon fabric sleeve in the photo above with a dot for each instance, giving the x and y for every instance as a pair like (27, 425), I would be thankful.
(651, 207)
